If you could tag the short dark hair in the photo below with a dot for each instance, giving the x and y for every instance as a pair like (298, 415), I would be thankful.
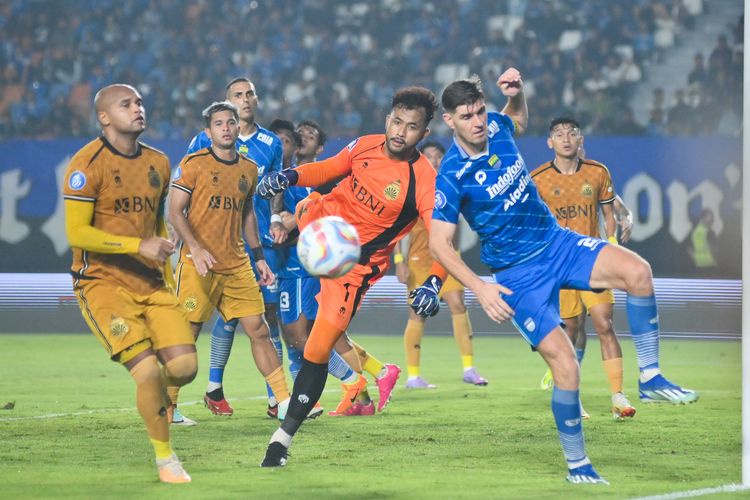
(432, 144)
(564, 120)
(415, 98)
(238, 80)
(217, 107)
(322, 137)
(462, 92)
(279, 125)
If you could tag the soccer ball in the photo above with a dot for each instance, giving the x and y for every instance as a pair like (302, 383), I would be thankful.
(328, 247)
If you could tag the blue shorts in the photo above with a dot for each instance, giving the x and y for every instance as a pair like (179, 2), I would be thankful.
(270, 292)
(565, 263)
(297, 296)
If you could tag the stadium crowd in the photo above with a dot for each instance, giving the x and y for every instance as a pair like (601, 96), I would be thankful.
(339, 62)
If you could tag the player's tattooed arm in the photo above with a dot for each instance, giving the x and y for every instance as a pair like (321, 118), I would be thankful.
(624, 218)
(278, 230)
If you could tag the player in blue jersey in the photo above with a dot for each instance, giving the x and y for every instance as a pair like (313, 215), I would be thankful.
(264, 148)
(484, 178)
(297, 289)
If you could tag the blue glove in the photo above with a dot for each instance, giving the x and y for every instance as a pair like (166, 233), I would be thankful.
(424, 299)
(276, 182)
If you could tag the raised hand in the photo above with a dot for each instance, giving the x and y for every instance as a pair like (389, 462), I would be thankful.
(510, 82)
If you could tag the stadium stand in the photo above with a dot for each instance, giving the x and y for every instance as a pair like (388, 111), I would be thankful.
(338, 62)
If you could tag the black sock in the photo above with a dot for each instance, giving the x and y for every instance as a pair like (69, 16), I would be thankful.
(308, 387)
(216, 394)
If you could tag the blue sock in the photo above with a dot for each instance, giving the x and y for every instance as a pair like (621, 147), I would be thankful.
(222, 337)
(273, 327)
(294, 356)
(338, 367)
(579, 355)
(566, 409)
(643, 317)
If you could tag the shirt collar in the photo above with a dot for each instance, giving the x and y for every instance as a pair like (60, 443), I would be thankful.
(465, 156)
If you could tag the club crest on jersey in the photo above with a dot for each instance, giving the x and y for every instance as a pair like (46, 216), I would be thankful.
(243, 185)
(392, 190)
(587, 190)
(77, 180)
(494, 159)
(243, 149)
(191, 303)
(440, 199)
(118, 326)
(557, 191)
(154, 179)
(215, 178)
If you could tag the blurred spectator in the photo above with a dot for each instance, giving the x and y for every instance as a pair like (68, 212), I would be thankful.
(698, 74)
(339, 62)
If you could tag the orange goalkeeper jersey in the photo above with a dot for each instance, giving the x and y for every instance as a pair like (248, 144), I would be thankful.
(381, 197)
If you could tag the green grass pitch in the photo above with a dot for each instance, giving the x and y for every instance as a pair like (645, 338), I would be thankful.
(458, 441)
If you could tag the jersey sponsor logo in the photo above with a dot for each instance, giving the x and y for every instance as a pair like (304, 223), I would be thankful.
(463, 170)
(366, 198)
(77, 180)
(574, 211)
(587, 190)
(392, 190)
(136, 204)
(177, 174)
(518, 193)
(265, 138)
(506, 179)
(154, 179)
(225, 203)
(440, 199)
(480, 177)
(590, 243)
(492, 129)
(351, 145)
(529, 325)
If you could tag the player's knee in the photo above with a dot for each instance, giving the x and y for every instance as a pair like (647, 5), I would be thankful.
(640, 278)
(456, 306)
(183, 368)
(317, 352)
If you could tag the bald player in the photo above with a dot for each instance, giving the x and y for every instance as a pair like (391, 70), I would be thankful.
(115, 189)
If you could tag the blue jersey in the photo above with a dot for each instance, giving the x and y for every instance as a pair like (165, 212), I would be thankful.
(494, 192)
(264, 148)
(291, 267)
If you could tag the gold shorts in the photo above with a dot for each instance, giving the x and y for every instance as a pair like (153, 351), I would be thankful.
(417, 275)
(234, 295)
(121, 319)
(572, 302)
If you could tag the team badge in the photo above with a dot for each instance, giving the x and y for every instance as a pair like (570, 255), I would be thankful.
(118, 326)
(154, 180)
(493, 159)
(557, 191)
(177, 174)
(529, 325)
(215, 178)
(77, 180)
(392, 190)
(243, 185)
(440, 199)
(243, 149)
(587, 190)
(191, 303)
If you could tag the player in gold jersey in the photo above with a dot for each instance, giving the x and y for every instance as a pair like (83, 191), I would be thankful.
(115, 189)
(576, 189)
(413, 261)
(210, 204)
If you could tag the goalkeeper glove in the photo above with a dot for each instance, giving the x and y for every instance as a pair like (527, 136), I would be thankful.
(424, 299)
(276, 182)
